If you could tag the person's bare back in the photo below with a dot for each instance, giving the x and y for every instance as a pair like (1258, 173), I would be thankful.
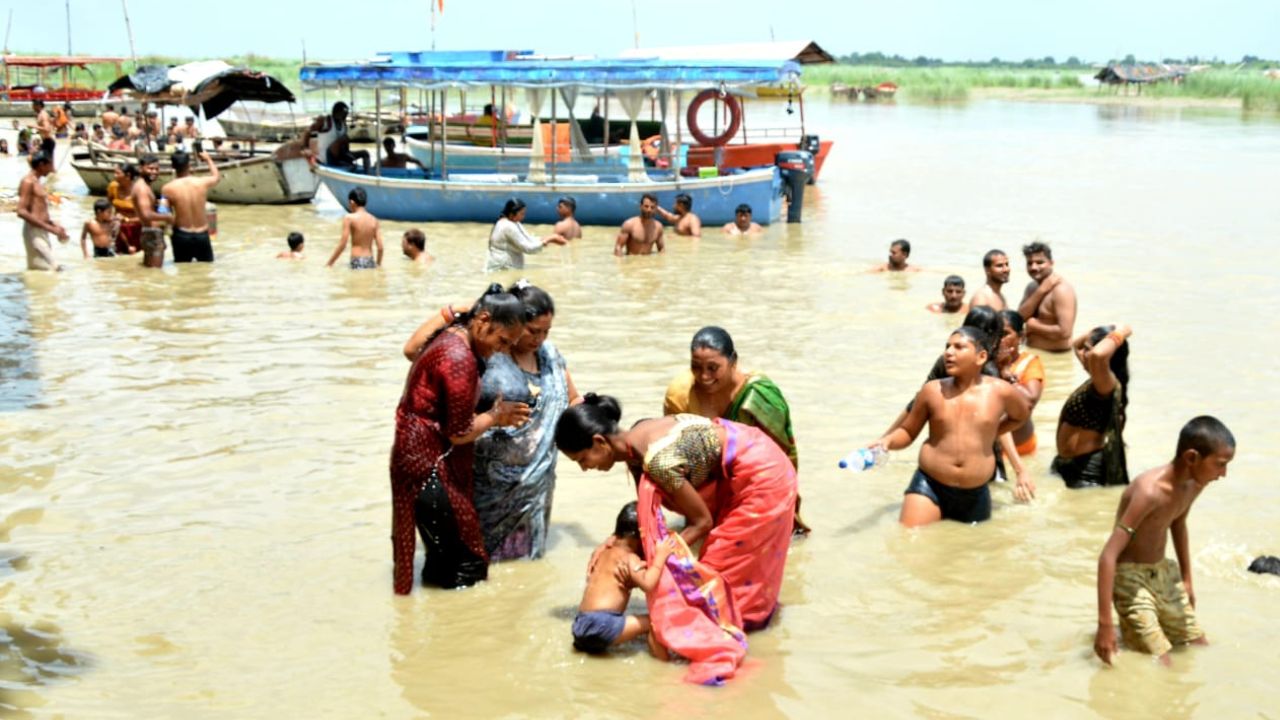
(608, 586)
(188, 195)
(362, 231)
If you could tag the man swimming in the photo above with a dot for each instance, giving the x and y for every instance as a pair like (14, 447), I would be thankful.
(952, 296)
(742, 223)
(899, 251)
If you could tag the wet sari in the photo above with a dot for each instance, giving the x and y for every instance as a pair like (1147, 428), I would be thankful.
(515, 470)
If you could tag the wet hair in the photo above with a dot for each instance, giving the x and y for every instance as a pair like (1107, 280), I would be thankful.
(537, 302)
(148, 160)
(512, 206)
(1265, 564)
(981, 341)
(990, 258)
(1013, 319)
(504, 308)
(650, 197)
(987, 320)
(570, 203)
(743, 208)
(714, 338)
(1206, 435)
(295, 240)
(953, 280)
(595, 415)
(180, 160)
(628, 523)
(1037, 248)
(416, 238)
(39, 158)
(1119, 364)
(131, 171)
(686, 200)
(339, 106)
(100, 205)
(358, 196)
(902, 245)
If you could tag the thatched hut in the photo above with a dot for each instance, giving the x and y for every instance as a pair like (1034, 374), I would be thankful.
(1141, 74)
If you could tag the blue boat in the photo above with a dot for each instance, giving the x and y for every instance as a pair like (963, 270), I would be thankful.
(607, 193)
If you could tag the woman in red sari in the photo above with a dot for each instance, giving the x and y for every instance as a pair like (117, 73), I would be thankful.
(732, 483)
(436, 422)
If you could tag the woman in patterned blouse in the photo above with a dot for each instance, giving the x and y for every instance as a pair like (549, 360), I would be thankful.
(734, 486)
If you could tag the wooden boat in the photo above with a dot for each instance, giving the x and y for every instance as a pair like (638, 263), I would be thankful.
(606, 195)
(27, 78)
(883, 91)
(260, 177)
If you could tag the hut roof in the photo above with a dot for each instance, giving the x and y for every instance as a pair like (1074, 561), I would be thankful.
(1149, 73)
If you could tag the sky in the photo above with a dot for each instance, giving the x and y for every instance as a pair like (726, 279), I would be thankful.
(953, 30)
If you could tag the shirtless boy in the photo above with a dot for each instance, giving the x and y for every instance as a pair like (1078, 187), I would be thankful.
(144, 204)
(101, 230)
(899, 251)
(996, 265)
(642, 233)
(187, 195)
(567, 226)
(966, 412)
(1154, 597)
(363, 232)
(952, 297)
(1049, 303)
(616, 568)
(686, 223)
(742, 223)
(297, 246)
(33, 208)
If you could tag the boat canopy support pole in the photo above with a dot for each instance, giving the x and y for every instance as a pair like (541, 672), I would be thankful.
(377, 129)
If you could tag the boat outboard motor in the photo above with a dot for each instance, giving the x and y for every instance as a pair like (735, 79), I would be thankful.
(812, 144)
(796, 167)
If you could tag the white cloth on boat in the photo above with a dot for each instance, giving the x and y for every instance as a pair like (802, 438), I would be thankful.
(508, 244)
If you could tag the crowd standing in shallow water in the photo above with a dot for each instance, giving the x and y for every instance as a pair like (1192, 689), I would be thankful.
(473, 469)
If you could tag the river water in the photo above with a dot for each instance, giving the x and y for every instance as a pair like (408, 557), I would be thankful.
(194, 503)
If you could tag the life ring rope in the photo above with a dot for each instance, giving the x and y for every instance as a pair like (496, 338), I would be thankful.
(735, 117)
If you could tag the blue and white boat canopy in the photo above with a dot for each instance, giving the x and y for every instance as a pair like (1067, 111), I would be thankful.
(524, 69)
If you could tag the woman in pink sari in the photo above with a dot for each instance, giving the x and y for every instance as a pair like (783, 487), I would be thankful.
(732, 483)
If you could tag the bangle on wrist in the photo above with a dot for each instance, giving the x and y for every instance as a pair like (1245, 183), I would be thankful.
(1116, 338)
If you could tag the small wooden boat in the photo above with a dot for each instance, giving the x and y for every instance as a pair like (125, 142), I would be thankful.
(259, 177)
(27, 78)
(883, 91)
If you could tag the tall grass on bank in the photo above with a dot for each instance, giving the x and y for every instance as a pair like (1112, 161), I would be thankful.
(1254, 90)
(940, 84)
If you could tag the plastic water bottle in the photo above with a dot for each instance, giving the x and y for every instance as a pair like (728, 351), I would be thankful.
(864, 459)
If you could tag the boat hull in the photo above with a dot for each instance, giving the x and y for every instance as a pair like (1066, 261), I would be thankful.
(402, 197)
(253, 181)
(512, 159)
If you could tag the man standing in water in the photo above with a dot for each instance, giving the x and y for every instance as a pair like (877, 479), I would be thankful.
(685, 222)
(742, 223)
(899, 251)
(144, 204)
(641, 233)
(187, 196)
(996, 265)
(1049, 303)
(44, 127)
(33, 208)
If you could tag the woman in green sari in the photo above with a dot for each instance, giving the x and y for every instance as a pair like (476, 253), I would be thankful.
(716, 387)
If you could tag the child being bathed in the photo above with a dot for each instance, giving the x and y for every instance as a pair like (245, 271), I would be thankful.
(616, 568)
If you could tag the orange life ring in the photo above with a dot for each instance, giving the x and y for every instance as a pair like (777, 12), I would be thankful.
(735, 118)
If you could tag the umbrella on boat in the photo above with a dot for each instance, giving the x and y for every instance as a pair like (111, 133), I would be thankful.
(213, 85)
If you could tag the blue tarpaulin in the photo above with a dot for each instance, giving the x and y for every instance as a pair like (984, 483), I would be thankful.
(434, 70)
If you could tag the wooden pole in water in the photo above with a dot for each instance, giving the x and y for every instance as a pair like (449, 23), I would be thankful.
(133, 51)
(68, 27)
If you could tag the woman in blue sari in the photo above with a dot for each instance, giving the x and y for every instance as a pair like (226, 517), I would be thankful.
(515, 468)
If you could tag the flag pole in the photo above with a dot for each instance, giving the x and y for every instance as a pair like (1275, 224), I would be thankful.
(433, 24)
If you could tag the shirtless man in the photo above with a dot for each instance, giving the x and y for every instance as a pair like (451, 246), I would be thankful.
(361, 229)
(414, 246)
(686, 223)
(567, 226)
(144, 204)
(899, 251)
(1049, 303)
(189, 130)
(996, 264)
(641, 234)
(187, 195)
(952, 297)
(109, 119)
(966, 412)
(395, 160)
(742, 223)
(33, 208)
(1153, 595)
(45, 129)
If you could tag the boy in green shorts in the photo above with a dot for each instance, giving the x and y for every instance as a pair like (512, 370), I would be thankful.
(1154, 597)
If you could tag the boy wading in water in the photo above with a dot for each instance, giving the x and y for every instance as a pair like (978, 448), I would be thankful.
(966, 412)
(1155, 602)
(361, 229)
(616, 568)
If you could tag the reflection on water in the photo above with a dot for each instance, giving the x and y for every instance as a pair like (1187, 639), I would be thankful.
(195, 460)
(32, 657)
